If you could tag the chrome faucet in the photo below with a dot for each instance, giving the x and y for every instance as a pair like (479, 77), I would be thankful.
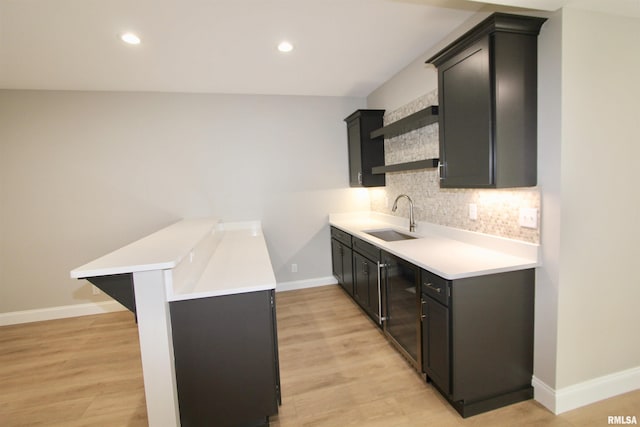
(412, 223)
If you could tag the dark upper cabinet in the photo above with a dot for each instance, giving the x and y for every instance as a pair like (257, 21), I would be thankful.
(487, 88)
(365, 152)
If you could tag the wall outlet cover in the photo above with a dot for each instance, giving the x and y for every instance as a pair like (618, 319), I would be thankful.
(473, 211)
(529, 217)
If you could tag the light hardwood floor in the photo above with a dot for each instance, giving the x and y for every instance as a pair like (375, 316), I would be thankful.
(336, 370)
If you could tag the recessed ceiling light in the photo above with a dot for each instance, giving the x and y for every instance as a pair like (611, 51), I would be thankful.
(130, 38)
(285, 46)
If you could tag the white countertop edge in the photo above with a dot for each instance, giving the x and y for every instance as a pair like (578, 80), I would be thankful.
(254, 225)
(222, 292)
(81, 273)
(151, 252)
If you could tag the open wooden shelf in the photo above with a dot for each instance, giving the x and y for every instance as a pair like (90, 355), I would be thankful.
(399, 167)
(414, 121)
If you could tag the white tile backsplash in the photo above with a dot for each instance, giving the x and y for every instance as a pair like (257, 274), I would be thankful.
(498, 210)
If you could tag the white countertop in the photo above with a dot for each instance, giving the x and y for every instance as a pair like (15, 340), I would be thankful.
(239, 264)
(203, 258)
(449, 253)
(161, 250)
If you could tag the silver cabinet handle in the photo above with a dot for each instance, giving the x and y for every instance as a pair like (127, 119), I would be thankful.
(359, 177)
(430, 286)
(380, 267)
(441, 169)
(423, 315)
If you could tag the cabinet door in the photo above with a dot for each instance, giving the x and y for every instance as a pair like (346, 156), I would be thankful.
(336, 260)
(226, 359)
(374, 291)
(361, 280)
(355, 154)
(365, 285)
(466, 127)
(342, 265)
(435, 343)
(364, 152)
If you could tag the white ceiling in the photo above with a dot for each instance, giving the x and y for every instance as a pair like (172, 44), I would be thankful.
(342, 47)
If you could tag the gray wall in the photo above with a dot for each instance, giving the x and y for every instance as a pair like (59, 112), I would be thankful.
(599, 288)
(84, 173)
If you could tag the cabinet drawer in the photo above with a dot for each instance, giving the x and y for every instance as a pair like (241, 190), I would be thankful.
(341, 236)
(366, 249)
(436, 287)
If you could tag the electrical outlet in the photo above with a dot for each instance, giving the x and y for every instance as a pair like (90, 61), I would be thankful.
(294, 268)
(473, 211)
(529, 217)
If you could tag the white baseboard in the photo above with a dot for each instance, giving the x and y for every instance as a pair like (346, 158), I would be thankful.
(587, 392)
(544, 394)
(53, 313)
(303, 284)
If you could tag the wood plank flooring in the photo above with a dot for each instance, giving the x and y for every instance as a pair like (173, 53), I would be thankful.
(336, 370)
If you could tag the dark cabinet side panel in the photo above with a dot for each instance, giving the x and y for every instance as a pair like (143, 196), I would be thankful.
(516, 94)
(492, 323)
(226, 359)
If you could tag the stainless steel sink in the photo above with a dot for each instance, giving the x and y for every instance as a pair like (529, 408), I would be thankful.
(389, 235)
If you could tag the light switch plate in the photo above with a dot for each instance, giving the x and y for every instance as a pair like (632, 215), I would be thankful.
(473, 211)
(529, 217)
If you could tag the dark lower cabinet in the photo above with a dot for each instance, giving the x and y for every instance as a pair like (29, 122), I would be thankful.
(435, 343)
(477, 338)
(226, 359)
(341, 259)
(365, 285)
(366, 281)
(471, 337)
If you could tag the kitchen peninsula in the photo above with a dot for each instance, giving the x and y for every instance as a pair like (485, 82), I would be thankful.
(206, 322)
